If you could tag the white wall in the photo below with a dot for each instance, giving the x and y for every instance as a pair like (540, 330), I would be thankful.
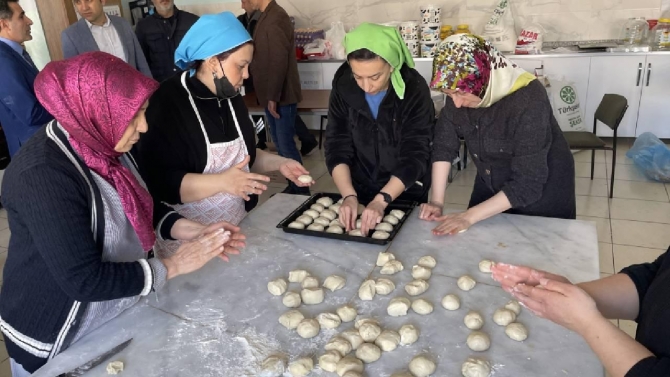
(37, 48)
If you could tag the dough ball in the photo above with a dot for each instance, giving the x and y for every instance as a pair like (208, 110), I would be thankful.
(392, 267)
(384, 258)
(422, 366)
(316, 227)
(334, 229)
(352, 374)
(277, 287)
(504, 317)
(485, 266)
(380, 235)
(340, 201)
(398, 307)
(347, 313)
(335, 207)
(296, 225)
(297, 276)
(338, 344)
(306, 178)
(478, 341)
(301, 367)
(368, 352)
(408, 335)
(516, 331)
(474, 367)
(514, 306)
(328, 361)
(317, 207)
(305, 220)
(328, 214)
(312, 296)
(328, 320)
(391, 220)
(369, 331)
(385, 227)
(416, 287)
(473, 320)
(348, 365)
(451, 302)
(308, 328)
(428, 262)
(325, 201)
(384, 286)
(420, 272)
(359, 223)
(115, 367)
(361, 321)
(361, 208)
(291, 319)
(353, 337)
(367, 290)
(291, 300)
(466, 283)
(334, 282)
(421, 306)
(322, 221)
(273, 366)
(388, 340)
(310, 282)
(311, 213)
(336, 222)
(356, 233)
(397, 214)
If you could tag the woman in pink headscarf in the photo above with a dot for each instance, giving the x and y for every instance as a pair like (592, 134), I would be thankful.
(82, 222)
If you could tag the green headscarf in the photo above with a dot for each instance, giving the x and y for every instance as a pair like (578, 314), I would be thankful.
(386, 42)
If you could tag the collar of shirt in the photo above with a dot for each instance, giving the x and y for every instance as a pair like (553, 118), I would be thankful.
(15, 46)
(106, 24)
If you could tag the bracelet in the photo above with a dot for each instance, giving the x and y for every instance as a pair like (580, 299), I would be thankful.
(349, 196)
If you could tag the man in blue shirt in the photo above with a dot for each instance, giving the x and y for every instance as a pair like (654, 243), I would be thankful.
(20, 112)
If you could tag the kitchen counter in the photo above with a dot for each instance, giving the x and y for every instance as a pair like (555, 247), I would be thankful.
(221, 320)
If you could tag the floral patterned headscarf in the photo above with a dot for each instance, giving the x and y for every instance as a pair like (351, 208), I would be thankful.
(468, 63)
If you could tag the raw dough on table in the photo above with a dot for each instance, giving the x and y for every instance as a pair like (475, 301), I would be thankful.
(305, 220)
(336, 222)
(474, 367)
(384, 286)
(361, 321)
(485, 266)
(478, 341)
(427, 261)
(317, 207)
(349, 364)
(408, 335)
(388, 340)
(516, 331)
(416, 287)
(359, 223)
(356, 233)
(380, 235)
(328, 361)
(305, 178)
(384, 258)
(335, 208)
(367, 290)
(292, 300)
(334, 282)
(422, 366)
(466, 283)
(322, 221)
(297, 276)
(316, 227)
(311, 213)
(398, 307)
(391, 220)
(369, 331)
(328, 214)
(312, 296)
(273, 366)
(397, 214)
(329, 320)
(386, 227)
(334, 229)
(301, 367)
(420, 272)
(277, 287)
(308, 328)
(338, 344)
(347, 313)
(310, 282)
(296, 225)
(115, 367)
(422, 306)
(325, 201)
(504, 317)
(291, 319)
(353, 337)
(451, 302)
(514, 306)
(473, 320)
(392, 267)
(368, 353)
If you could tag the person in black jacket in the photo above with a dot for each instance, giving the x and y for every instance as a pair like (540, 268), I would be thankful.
(380, 126)
(159, 35)
(639, 292)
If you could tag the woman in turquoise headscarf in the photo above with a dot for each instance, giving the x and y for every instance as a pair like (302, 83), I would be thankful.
(200, 155)
(380, 126)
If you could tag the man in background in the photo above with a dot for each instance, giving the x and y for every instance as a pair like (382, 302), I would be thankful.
(97, 31)
(21, 114)
(159, 35)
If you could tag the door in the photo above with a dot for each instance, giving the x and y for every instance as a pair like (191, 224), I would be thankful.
(623, 75)
(654, 113)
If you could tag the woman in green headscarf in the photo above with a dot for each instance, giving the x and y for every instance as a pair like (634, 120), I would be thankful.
(524, 165)
(380, 126)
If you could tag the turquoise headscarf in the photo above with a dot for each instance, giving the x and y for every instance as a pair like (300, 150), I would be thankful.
(211, 35)
(386, 42)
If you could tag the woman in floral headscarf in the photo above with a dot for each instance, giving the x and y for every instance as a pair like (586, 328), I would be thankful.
(524, 165)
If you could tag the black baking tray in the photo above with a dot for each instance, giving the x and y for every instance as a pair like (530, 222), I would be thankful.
(406, 206)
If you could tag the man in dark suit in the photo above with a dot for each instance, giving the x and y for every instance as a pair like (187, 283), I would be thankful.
(21, 114)
(97, 31)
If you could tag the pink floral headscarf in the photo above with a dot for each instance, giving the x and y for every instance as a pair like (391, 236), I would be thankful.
(94, 96)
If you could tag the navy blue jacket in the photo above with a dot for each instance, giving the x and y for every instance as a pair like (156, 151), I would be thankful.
(20, 112)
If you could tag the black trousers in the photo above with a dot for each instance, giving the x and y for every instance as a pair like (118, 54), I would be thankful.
(300, 129)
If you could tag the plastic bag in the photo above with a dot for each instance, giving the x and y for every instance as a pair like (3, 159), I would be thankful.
(335, 35)
(317, 50)
(652, 156)
(500, 30)
(566, 105)
(530, 40)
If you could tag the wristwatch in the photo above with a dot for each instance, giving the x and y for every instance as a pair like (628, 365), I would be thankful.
(387, 198)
